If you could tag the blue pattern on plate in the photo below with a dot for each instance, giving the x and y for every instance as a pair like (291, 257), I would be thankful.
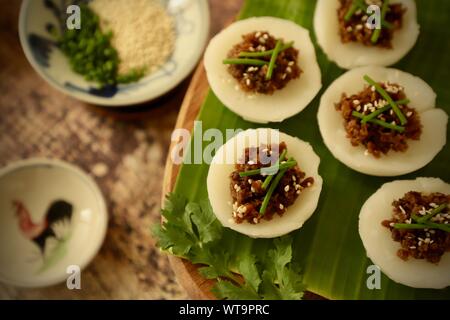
(41, 48)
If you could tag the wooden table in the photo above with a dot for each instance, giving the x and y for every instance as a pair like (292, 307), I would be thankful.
(123, 149)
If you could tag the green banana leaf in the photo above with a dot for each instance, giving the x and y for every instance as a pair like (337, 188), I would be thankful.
(328, 246)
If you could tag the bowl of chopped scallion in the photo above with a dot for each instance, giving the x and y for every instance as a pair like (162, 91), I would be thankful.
(113, 53)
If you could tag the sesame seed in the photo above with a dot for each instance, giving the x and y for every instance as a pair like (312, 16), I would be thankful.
(251, 162)
(286, 188)
(288, 69)
(409, 114)
(391, 224)
(255, 220)
(372, 88)
(266, 36)
(358, 108)
(298, 192)
(358, 12)
(366, 152)
(356, 102)
(393, 122)
(250, 181)
(291, 63)
(284, 76)
(294, 178)
(349, 29)
(413, 247)
(252, 190)
(308, 184)
(244, 209)
(359, 27)
(364, 18)
(251, 49)
(262, 40)
(247, 82)
(281, 206)
(433, 205)
(258, 34)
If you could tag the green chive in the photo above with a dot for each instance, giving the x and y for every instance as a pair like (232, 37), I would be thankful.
(433, 212)
(377, 32)
(380, 111)
(410, 226)
(269, 193)
(353, 8)
(265, 53)
(388, 98)
(270, 177)
(273, 59)
(380, 122)
(253, 62)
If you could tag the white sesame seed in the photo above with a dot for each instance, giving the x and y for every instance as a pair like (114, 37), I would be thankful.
(281, 206)
(349, 29)
(251, 162)
(291, 63)
(294, 178)
(366, 152)
(266, 36)
(391, 224)
(356, 102)
(247, 82)
(309, 184)
(286, 188)
(372, 88)
(252, 190)
(244, 209)
(364, 18)
(255, 220)
(433, 205)
(358, 108)
(251, 49)
(409, 114)
(359, 27)
(262, 40)
(413, 247)
(358, 12)
(284, 76)
(298, 192)
(250, 181)
(258, 34)
(288, 69)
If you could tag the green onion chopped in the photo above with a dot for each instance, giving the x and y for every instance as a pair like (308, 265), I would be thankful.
(380, 122)
(376, 34)
(270, 191)
(410, 226)
(265, 53)
(253, 62)
(440, 226)
(353, 8)
(275, 53)
(388, 98)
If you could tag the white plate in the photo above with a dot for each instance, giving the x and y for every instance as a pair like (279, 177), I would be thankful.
(52, 216)
(192, 28)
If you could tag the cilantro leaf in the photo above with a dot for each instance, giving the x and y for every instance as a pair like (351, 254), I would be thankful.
(227, 290)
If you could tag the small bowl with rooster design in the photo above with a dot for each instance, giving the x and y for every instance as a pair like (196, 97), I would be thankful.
(53, 221)
(38, 17)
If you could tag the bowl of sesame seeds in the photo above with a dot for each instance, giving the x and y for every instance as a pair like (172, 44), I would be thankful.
(114, 53)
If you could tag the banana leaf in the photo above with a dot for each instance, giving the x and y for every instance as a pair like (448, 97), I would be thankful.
(328, 247)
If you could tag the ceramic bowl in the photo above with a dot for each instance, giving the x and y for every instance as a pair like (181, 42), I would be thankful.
(53, 221)
(38, 16)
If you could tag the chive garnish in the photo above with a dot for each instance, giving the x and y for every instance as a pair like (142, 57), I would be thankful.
(433, 212)
(388, 98)
(381, 110)
(440, 226)
(275, 168)
(275, 53)
(269, 193)
(253, 62)
(270, 177)
(380, 122)
(265, 53)
(377, 32)
(410, 226)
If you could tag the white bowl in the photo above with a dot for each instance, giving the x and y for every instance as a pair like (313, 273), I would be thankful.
(52, 216)
(192, 28)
